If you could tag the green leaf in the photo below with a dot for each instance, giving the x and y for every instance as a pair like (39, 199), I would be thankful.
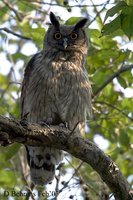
(114, 154)
(94, 35)
(126, 104)
(111, 27)
(127, 21)
(7, 178)
(115, 9)
(124, 21)
(36, 34)
(129, 2)
(22, 5)
(123, 138)
(11, 150)
(3, 83)
(108, 90)
(3, 14)
(122, 82)
(72, 20)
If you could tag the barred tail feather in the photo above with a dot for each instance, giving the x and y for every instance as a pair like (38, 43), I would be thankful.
(42, 162)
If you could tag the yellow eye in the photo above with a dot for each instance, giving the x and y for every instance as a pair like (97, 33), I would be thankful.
(57, 36)
(74, 36)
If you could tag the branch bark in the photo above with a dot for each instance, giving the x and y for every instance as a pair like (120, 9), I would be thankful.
(61, 138)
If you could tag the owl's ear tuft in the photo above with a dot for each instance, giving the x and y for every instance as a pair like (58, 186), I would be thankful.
(81, 23)
(54, 20)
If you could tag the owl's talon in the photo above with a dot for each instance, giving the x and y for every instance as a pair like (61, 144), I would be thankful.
(47, 123)
(44, 124)
(64, 125)
(24, 120)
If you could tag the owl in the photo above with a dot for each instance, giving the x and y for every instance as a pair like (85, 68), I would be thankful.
(56, 90)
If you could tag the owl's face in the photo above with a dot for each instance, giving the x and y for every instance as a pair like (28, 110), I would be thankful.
(66, 38)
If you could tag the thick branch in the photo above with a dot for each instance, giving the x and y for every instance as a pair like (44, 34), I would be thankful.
(13, 131)
(114, 75)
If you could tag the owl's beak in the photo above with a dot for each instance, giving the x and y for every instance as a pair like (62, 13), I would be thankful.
(65, 43)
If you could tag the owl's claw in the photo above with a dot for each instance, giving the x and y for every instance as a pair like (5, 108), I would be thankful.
(47, 123)
(64, 125)
(24, 120)
(44, 124)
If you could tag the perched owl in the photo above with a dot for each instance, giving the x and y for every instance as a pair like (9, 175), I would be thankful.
(56, 90)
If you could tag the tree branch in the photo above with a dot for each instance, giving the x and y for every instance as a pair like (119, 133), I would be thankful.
(114, 75)
(114, 107)
(13, 33)
(63, 5)
(61, 138)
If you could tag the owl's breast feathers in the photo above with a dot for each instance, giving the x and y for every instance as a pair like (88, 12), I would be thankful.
(57, 84)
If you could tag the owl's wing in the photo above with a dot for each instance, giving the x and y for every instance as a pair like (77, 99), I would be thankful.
(27, 74)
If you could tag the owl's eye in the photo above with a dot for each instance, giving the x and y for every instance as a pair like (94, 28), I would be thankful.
(74, 35)
(57, 35)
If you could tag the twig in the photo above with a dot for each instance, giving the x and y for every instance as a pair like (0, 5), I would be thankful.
(114, 107)
(66, 183)
(73, 130)
(13, 33)
(98, 12)
(116, 74)
(61, 5)
(57, 185)
(90, 186)
(12, 9)
(34, 7)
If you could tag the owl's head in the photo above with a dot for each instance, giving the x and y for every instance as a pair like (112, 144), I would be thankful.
(66, 38)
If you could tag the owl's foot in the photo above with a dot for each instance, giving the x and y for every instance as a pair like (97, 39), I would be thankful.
(24, 120)
(64, 125)
(47, 122)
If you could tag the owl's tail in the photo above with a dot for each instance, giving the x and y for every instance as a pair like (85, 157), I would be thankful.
(42, 162)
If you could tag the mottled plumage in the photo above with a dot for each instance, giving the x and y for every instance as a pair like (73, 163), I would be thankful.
(56, 90)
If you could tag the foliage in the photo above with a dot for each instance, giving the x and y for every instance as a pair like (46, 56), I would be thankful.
(123, 22)
(112, 105)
